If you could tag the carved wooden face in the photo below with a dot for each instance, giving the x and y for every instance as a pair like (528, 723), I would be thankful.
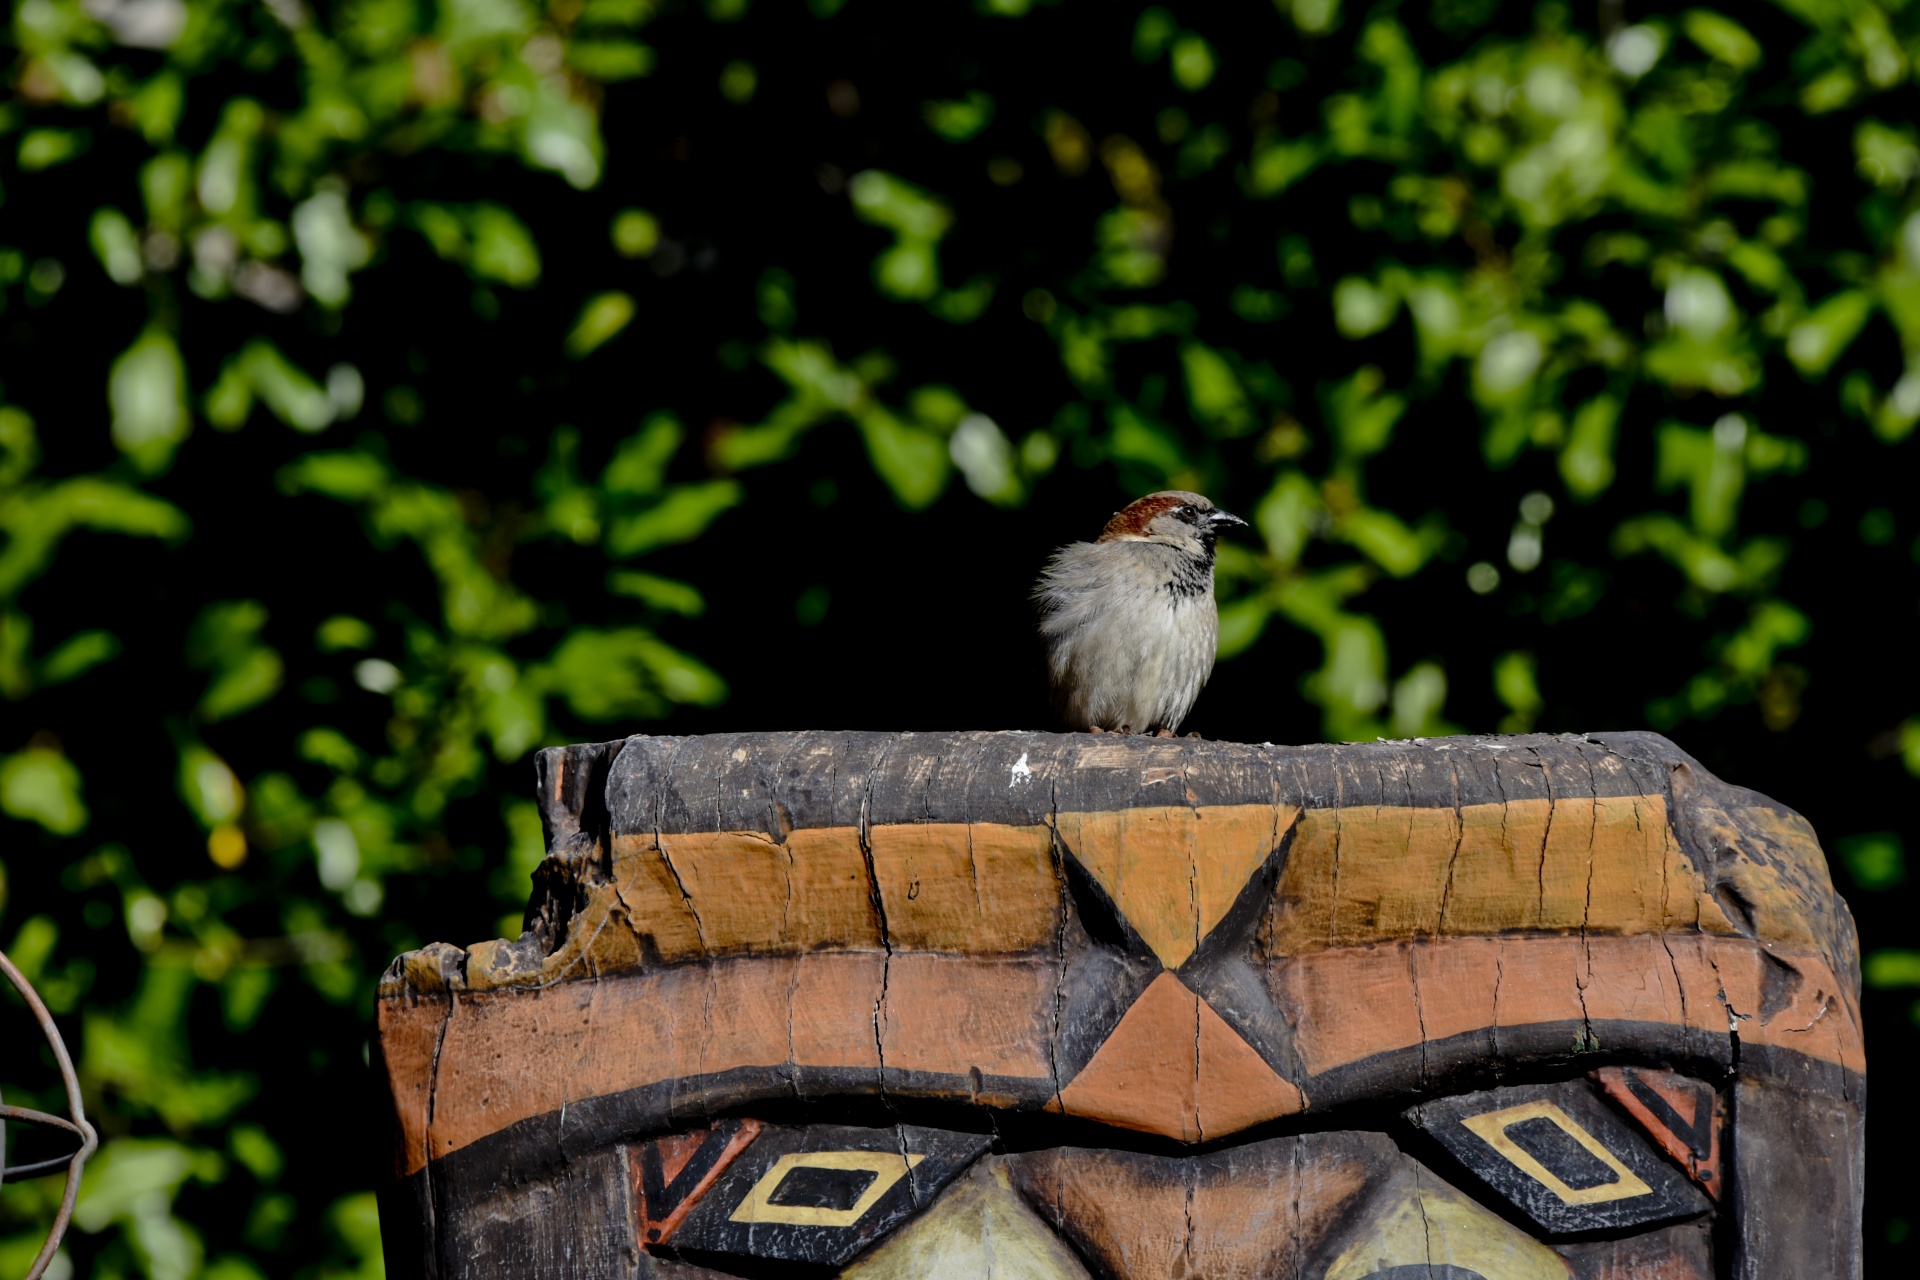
(876, 1006)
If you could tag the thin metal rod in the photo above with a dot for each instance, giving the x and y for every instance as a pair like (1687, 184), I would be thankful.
(89, 1140)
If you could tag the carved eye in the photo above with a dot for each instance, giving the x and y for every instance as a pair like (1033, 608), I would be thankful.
(1559, 1156)
(744, 1193)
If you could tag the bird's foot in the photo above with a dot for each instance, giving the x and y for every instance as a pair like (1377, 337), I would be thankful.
(1194, 734)
(1163, 732)
(1094, 728)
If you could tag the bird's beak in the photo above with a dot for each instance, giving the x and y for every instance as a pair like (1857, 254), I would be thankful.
(1217, 518)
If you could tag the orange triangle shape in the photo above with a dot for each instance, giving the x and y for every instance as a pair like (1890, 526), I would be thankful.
(1174, 872)
(1172, 1066)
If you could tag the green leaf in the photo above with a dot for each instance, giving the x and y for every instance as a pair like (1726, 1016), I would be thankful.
(331, 247)
(1147, 444)
(79, 654)
(915, 464)
(1192, 61)
(1242, 622)
(135, 1180)
(562, 135)
(1288, 515)
(1516, 684)
(349, 476)
(46, 148)
(209, 787)
(1215, 392)
(251, 680)
(636, 233)
(1361, 308)
(1721, 37)
(681, 516)
(1418, 698)
(1889, 156)
(600, 320)
(19, 446)
(639, 462)
(1279, 163)
(41, 785)
(38, 521)
(342, 631)
(116, 245)
(503, 248)
(1387, 540)
(1363, 414)
(957, 120)
(887, 201)
(147, 391)
(1889, 968)
(1877, 860)
(1586, 461)
(610, 674)
(289, 394)
(661, 593)
(611, 61)
(1817, 341)
(984, 455)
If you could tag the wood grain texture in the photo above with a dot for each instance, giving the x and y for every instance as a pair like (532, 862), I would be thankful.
(1260, 1210)
(1194, 942)
(1680, 1252)
(698, 847)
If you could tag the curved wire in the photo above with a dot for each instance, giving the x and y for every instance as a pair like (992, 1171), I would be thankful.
(78, 1126)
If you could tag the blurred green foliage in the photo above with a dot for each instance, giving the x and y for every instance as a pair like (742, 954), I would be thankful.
(1503, 324)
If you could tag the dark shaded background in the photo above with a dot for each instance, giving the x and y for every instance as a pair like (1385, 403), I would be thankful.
(1085, 250)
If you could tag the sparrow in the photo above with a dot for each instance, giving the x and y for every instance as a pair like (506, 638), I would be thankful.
(1128, 620)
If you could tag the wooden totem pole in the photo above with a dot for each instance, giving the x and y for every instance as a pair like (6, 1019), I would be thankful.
(1036, 1006)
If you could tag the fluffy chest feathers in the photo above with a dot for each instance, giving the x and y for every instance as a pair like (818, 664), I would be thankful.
(1131, 632)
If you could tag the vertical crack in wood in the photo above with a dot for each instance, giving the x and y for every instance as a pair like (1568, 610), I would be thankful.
(1191, 1169)
(1546, 839)
(1193, 904)
(1339, 831)
(973, 873)
(1419, 1006)
(1734, 1016)
(1586, 912)
(865, 830)
(660, 845)
(1500, 785)
(1459, 839)
(1199, 1122)
(1669, 842)
(1588, 1041)
(783, 816)
(1426, 1222)
(1299, 1177)
(1061, 891)
(1499, 981)
(433, 1094)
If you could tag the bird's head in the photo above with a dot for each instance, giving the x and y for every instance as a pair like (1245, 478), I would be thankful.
(1174, 518)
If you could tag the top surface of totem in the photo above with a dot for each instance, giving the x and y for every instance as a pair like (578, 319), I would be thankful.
(1182, 938)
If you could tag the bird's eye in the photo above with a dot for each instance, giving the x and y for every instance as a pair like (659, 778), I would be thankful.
(1189, 513)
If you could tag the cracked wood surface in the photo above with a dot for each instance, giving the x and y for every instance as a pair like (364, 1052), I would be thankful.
(1172, 937)
(1182, 938)
(1026, 922)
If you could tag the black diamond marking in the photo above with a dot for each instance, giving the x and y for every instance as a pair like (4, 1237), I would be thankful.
(815, 1188)
(1561, 1154)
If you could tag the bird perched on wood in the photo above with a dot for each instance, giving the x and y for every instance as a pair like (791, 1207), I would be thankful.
(1128, 619)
